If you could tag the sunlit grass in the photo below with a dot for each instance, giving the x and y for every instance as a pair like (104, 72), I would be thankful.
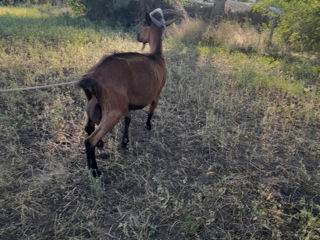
(252, 71)
(38, 47)
(21, 12)
(241, 51)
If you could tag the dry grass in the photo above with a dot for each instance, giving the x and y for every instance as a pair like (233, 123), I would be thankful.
(225, 34)
(236, 37)
(222, 162)
(191, 30)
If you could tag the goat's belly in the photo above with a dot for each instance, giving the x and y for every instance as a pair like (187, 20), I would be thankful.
(135, 106)
(140, 101)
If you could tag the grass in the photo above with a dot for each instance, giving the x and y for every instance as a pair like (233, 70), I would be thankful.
(233, 153)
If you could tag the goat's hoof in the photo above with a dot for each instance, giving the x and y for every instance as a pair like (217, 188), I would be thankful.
(148, 127)
(96, 173)
(100, 144)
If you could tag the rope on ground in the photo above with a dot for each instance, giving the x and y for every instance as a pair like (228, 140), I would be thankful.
(36, 87)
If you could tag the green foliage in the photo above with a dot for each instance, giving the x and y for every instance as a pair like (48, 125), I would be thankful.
(124, 12)
(306, 222)
(77, 7)
(300, 25)
(6, 2)
(191, 225)
(112, 10)
(299, 22)
(19, 2)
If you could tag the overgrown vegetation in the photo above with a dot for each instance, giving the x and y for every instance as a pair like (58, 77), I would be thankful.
(299, 22)
(101, 10)
(123, 12)
(227, 35)
(28, 2)
(233, 153)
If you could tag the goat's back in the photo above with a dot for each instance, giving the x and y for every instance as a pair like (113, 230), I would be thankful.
(137, 76)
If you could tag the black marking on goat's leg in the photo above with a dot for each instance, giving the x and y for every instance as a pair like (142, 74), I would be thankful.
(125, 138)
(100, 144)
(135, 107)
(91, 159)
(151, 109)
(148, 124)
(89, 128)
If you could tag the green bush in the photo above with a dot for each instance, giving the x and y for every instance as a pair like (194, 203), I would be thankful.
(77, 7)
(299, 22)
(98, 10)
(124, 12)
(19, 2)
(300, 25)
(6, 2)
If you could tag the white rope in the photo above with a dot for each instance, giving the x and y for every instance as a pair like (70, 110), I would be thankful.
(36, 87)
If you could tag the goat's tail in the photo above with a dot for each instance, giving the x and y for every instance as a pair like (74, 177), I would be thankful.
(89, 86)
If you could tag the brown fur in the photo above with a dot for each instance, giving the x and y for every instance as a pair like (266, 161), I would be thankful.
(123, 82)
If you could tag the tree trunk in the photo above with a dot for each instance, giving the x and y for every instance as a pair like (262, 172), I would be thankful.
(274, 24)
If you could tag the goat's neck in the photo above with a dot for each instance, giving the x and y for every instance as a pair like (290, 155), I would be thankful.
(156, 43)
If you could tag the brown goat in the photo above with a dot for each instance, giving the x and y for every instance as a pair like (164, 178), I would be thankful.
(123, 82)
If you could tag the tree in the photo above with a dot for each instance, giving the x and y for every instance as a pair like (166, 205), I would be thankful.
(299, 23)
(125, 12)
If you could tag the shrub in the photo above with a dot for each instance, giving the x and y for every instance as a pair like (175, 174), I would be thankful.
(229, 35)
(235, 37)
(191, 30)
(299, 22)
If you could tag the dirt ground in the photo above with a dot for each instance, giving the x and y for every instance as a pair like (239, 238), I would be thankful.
(221, 162)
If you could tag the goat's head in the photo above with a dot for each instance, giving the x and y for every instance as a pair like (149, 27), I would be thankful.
(154, 25)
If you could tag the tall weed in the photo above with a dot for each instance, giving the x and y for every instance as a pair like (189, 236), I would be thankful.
(191, 30)
(235, 37)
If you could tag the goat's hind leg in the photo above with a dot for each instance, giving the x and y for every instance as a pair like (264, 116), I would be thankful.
(89, 128)
(90, 151)
(107, 123)
(91, 159)
(153, 105)
(125, 138)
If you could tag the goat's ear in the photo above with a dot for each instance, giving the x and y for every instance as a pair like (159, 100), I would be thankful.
(148, 19)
